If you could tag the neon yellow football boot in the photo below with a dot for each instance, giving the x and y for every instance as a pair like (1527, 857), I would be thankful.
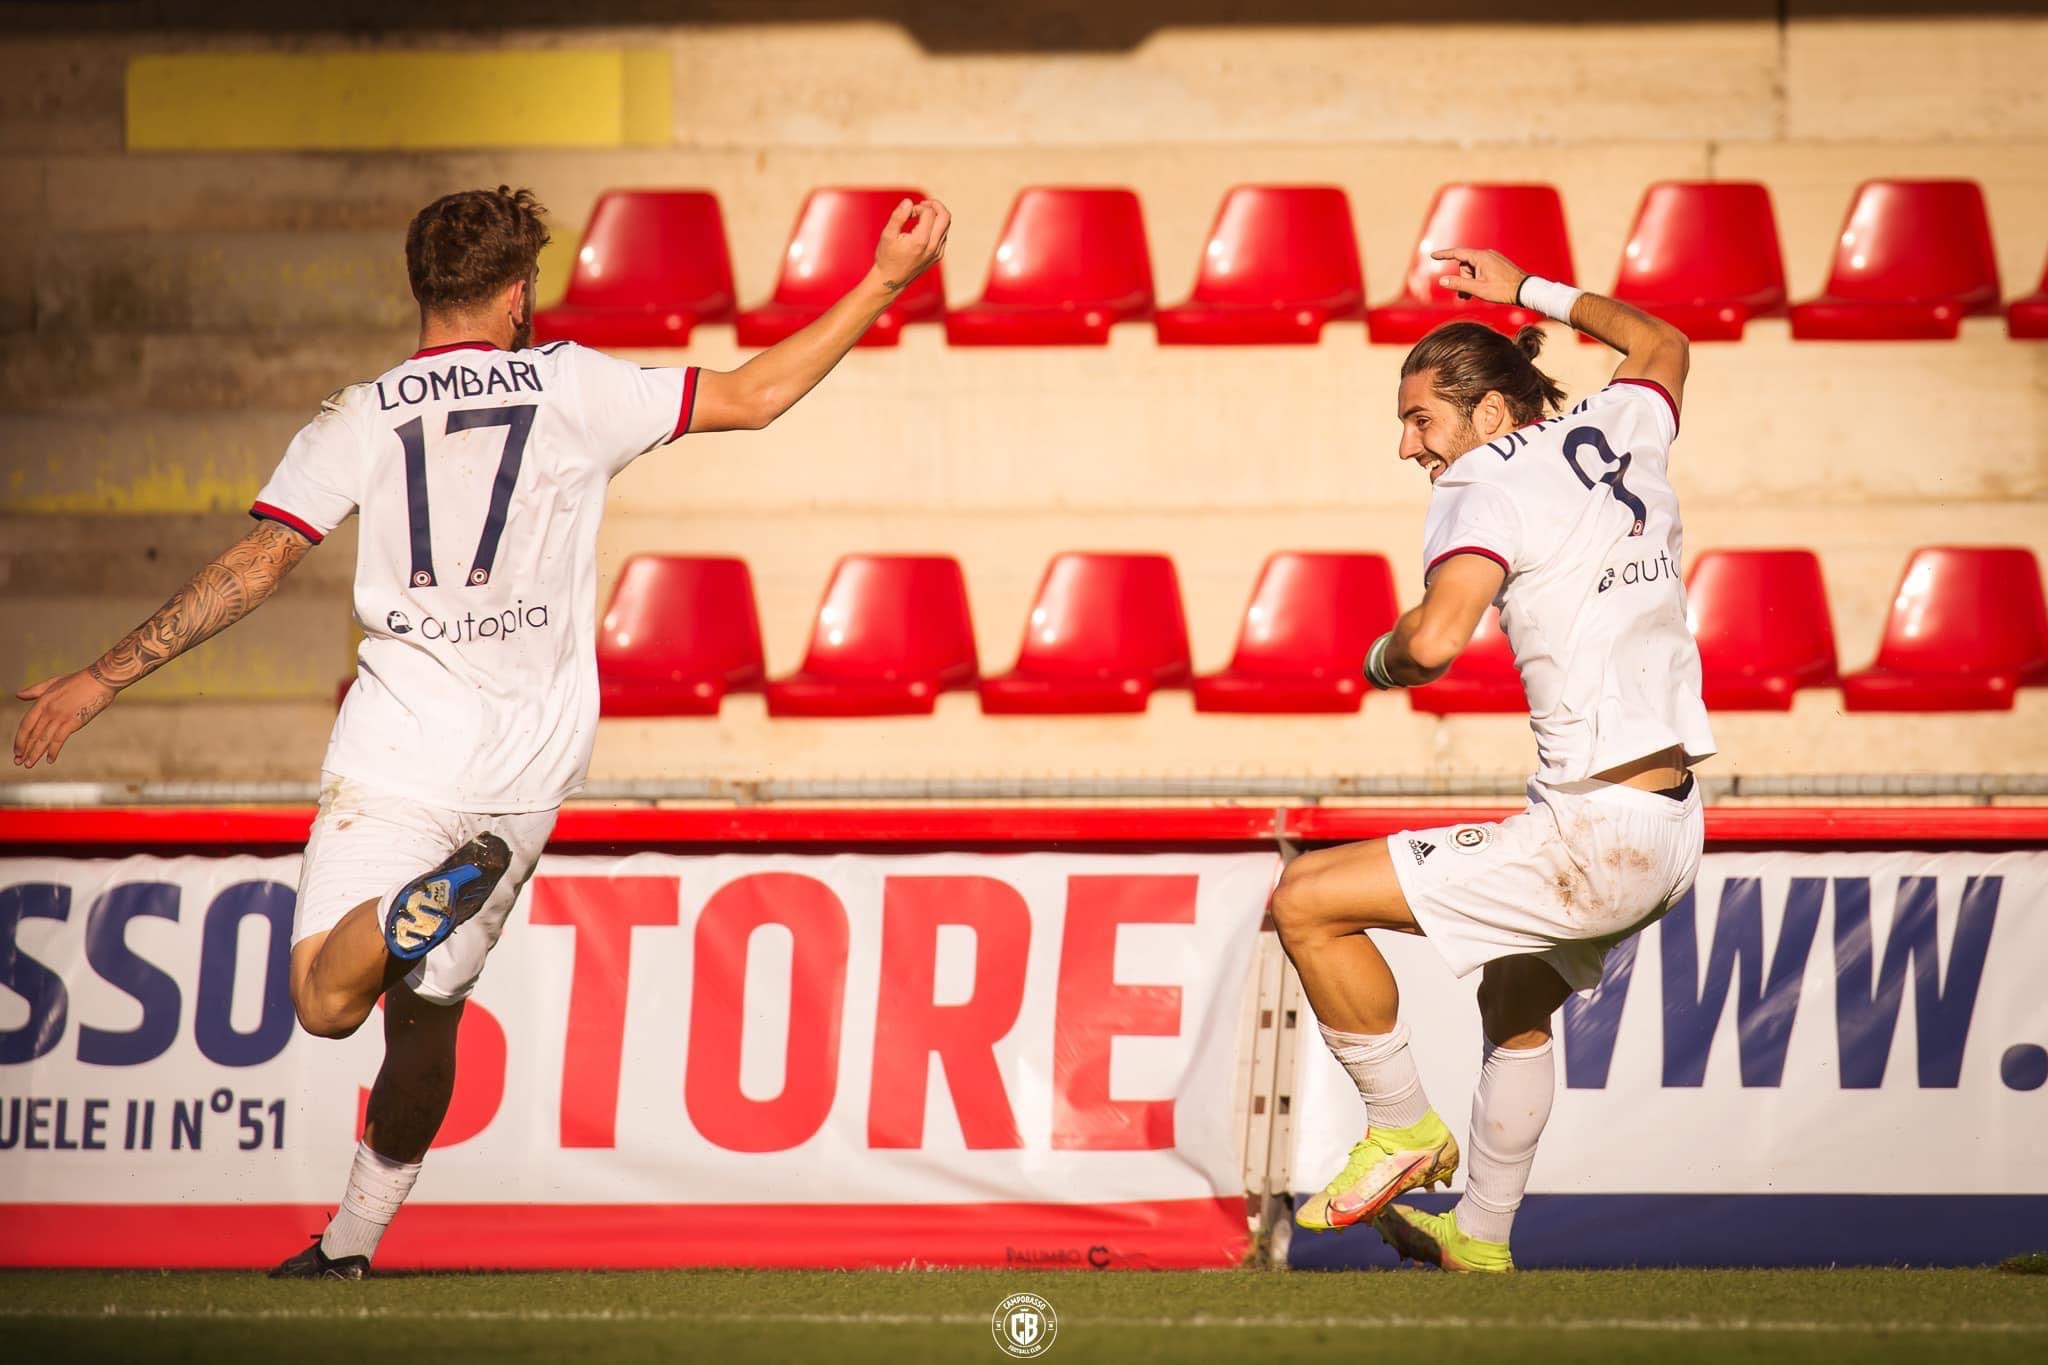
(1434, 1239)
(1386, 1162)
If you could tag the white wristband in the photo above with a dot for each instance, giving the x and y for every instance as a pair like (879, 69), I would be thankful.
(1376, 664)
(1548, 297)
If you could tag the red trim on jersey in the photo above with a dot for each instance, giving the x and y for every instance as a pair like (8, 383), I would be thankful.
(689, 405)
(263, 511)
(1466, 550)
(456, 346)
(1662, 393)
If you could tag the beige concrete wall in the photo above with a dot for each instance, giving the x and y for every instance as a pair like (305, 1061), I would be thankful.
(167, 320)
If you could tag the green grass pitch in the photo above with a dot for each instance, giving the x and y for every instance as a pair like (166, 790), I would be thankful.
(737, 1316)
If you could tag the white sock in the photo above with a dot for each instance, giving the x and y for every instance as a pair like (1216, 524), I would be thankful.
(377, 1185)
(1383, 1069)
(1509, 1109)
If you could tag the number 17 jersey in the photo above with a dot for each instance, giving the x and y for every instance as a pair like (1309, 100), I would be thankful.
(480, 477)
(1579, 511)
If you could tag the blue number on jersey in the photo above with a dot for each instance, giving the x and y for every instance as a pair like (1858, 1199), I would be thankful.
(1580, 437)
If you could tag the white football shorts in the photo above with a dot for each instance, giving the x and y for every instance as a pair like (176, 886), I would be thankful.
(1566, 879)
(367, 843)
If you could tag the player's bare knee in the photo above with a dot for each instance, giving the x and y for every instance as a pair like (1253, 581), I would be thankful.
(1294, 903)
(321, 1015)
(323, 1022)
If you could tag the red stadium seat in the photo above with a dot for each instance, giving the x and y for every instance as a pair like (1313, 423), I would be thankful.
(1914, 259)
(1282, 260)
(892, 633)
(679, 634)
(1482, 679)
(1302, 648)
(1105, 631)
(1704, 256)
(1967, 627)
(1761, 619)
(653, 264)
(2027, 318)
(1524, 222)
(1071, 262)
(830, 251)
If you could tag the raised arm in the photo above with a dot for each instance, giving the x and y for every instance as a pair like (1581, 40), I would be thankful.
(233, 585)
(1650, 347)
(770, 384)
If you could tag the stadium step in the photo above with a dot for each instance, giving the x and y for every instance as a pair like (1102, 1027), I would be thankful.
(213, 283)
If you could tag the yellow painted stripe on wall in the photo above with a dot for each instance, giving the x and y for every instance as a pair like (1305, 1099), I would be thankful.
(355, 101)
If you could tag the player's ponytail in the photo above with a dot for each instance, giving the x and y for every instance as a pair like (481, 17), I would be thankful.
(1469, 360)
(1529, 341)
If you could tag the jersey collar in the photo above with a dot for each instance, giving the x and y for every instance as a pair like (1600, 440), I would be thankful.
(454, 346)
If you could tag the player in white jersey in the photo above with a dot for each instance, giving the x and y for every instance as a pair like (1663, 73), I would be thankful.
(479, 468)
(1568, 522)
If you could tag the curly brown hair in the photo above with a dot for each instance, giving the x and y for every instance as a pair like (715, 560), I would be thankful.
(464, 247)
(1471, 360)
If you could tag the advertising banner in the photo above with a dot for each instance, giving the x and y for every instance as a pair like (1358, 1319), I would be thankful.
(833, 1060)
(1814, 1058)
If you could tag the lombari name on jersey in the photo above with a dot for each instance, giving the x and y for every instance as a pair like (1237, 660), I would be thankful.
(480, 477)
(1579, 511)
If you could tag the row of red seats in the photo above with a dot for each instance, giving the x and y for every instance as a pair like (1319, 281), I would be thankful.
(1914, 258)
(1967, 627)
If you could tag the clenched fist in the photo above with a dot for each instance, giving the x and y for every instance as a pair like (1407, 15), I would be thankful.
(912, 241)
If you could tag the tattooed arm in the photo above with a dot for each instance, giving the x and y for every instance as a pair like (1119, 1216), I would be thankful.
(219, 595)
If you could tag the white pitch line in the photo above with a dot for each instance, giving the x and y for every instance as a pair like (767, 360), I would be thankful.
(1385, 1322)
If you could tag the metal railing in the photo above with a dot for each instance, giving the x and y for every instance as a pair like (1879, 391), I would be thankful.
(1978, 788)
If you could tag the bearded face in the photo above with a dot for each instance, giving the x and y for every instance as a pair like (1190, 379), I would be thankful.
(1433, 431)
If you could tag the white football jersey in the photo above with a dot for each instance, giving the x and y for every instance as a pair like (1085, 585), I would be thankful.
(1579, 511)
(480, 475)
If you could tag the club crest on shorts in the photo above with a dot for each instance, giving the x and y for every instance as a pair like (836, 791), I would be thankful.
(1471, 838)
(1024, 1326)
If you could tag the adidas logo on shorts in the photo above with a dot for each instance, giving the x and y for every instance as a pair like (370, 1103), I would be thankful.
(1421, 849)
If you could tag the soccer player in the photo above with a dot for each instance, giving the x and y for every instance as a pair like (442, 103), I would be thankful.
(479, 468)
(1569, 522)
